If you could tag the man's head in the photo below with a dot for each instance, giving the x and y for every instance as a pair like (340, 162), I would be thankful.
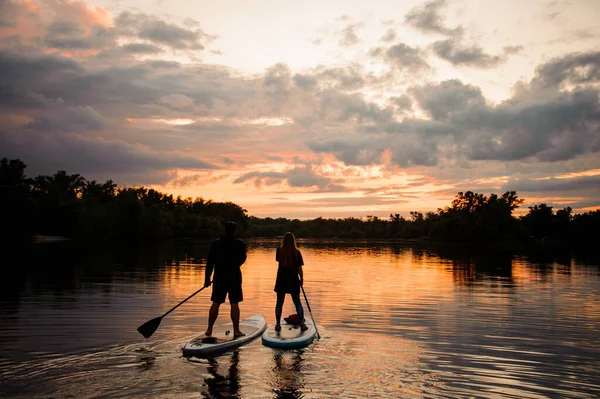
(230, 228)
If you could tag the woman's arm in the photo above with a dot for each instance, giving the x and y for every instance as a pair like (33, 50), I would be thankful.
(301, 274)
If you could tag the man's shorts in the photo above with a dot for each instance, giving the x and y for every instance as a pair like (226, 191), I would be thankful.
(220, 292)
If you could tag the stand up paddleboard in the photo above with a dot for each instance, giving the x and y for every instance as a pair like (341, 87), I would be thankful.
(290, 336)
(222, 338)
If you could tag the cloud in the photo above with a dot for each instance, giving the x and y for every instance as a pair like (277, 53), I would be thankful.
(58, 25)
(159, 31)
(68, 34)
(574, 68)
(558, 129)
(303, 177)
(554, 184)
(119, 106)
(338, 106)
(351, 77)
(403, 102)
(177, 101)
(68, 119)
(94, 157)
(278, 78)
(444, 99)
(198, 179)
(349, 36)
(556, 126)
(402, 56)
(141, 48)
(389, 36)
(454, 52)
(428, 19)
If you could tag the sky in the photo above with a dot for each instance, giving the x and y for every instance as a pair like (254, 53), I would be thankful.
(307, 109)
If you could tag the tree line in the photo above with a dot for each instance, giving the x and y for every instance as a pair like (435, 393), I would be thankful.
(71, 206)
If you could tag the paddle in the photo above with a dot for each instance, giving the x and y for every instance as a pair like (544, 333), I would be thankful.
(148, 328)
(310, 311)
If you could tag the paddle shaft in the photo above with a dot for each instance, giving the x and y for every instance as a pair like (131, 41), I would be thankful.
(310, 311)
(182, 302)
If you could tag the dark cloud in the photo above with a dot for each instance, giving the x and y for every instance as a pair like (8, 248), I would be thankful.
(162, 64)
(348, 78)
(559, 129)
(513, 49)
(556, 126)
(93, 157)
(68, 119)
(352, 150)
(303, 177)
(454, 52)
(574, 68)
(428, 19)
(159, 31)
(337, 106)
(69, 35)
(141, 48)
(402, 56)
(403, 102)
(305, 81)
(22, 74)
(278, 78)
(351, 77)
(444, 99)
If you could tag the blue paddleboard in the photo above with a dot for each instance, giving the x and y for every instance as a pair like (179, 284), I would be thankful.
(290, 336)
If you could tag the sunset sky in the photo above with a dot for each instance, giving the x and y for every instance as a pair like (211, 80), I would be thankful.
(309, 108)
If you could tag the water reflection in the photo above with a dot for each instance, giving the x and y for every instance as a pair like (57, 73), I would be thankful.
(288, 381)
(225, 385)
(406, 318)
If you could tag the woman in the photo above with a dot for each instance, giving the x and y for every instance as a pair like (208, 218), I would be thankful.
(289, 278)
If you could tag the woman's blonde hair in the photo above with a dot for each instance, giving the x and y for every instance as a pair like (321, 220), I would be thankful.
(288, 250)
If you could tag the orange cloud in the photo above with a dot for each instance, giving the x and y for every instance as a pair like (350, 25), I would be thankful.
(29, 21)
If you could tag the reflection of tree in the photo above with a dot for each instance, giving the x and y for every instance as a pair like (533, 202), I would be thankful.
(220, 386)
(288, 379)
(472, 264)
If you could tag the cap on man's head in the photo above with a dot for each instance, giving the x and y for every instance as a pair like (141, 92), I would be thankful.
(230, 227)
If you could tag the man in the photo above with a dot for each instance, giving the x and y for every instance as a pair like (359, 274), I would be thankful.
(226, 256)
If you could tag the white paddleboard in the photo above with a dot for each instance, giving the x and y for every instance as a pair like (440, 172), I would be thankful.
(290, 336)
(222, 338)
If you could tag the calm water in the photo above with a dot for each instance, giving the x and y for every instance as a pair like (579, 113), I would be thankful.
(395, 321)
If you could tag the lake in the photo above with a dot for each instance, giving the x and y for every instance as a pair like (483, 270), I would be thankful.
(396, 320)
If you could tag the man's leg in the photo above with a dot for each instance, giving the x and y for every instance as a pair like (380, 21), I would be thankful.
(235, 319)
(213, 313)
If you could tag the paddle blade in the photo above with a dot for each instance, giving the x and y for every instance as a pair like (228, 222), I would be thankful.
(148, 328)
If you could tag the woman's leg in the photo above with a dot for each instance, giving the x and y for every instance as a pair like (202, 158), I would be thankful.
(298, 304)
(279, 306)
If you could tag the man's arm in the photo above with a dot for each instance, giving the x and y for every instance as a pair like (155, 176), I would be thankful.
(243, 254)
(210, 264)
